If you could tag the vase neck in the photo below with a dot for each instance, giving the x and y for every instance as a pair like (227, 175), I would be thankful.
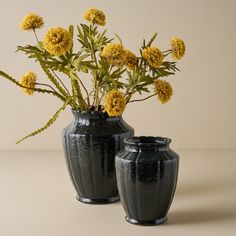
(91, 116)
(146, 143)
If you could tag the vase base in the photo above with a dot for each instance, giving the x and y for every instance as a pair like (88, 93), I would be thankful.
(98, 201)
(147, 223)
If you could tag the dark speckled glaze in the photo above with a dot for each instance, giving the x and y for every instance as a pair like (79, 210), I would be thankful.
(90, 144)
(147, 171)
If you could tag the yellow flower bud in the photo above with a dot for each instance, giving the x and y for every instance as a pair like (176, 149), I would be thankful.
(178, 48)
(28, 80)
(163, 90)
(31, 21)
(115, 103)
(153, 56)
(57, 41)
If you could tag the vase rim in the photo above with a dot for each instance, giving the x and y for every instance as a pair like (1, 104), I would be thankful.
(97, 114)
(147, 141)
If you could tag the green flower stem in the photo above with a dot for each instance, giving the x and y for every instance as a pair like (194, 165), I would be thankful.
(74, 93)
(139, 100)
(47, 85)
(130, 94)
(97, 98)
(77, 92)
(52, 78)
(54, 73)
(36, 36)
(167, 52)
(135, 81)
(96, 83)
(55, 82)
(103, 94)
(132, 85)
(86, 91)
(89, 105)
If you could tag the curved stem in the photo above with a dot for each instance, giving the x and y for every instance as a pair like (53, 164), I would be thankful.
(139, 100)
(86, 91)
(61, 82)
(36, 36)
(47, 86)
(88, 97)
(103, 93)
(135, 81)
(169, 50)
(74, 92)
(77, 92)
(96, 83)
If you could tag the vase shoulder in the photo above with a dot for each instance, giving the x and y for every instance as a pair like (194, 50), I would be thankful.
(147, 149)
(97, 124)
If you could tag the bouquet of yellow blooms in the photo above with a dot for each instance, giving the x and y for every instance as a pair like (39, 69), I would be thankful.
(117, 73)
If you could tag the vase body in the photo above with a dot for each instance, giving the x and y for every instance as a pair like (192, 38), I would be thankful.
(147, 171)
(90, 143)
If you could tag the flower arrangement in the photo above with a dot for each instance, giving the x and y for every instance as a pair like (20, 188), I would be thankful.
(117, 73)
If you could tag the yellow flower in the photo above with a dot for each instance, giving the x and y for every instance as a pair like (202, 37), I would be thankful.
(58, 41)
(31, 21)
(178, 48)
(131, 59)
(114, 103)
(95, 16)
(164, 90)
(153, 56)
(28, 80)
(114, 54)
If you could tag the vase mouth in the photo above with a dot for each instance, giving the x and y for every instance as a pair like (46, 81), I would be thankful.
(147, 141)
(94, 114)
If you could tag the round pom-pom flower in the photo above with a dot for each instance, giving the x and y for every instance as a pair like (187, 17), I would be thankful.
(163, 90)
(153, 56)
(57, 41)
(131, 59)
(31, 21)
(178, 48)
(114, 103)
(28, 80)
(114, 54)
(95, 16)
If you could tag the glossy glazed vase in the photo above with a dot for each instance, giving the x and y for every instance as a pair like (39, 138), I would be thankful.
(90, 144)
(147, 171)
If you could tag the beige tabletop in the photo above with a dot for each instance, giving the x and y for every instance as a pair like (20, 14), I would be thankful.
(37, 198)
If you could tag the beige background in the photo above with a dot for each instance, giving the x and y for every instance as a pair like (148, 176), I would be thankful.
(202, 112)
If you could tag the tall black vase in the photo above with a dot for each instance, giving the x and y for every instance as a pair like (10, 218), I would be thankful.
(146, 172)
(90, 144)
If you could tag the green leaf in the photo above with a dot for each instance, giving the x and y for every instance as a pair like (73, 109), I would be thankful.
(119, 38)
(71, 30)
(144, 44)
(48, 124)
(147, 79)
(152, 39)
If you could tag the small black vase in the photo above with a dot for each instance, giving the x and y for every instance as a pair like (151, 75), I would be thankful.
(147, 171)
(90, 144)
